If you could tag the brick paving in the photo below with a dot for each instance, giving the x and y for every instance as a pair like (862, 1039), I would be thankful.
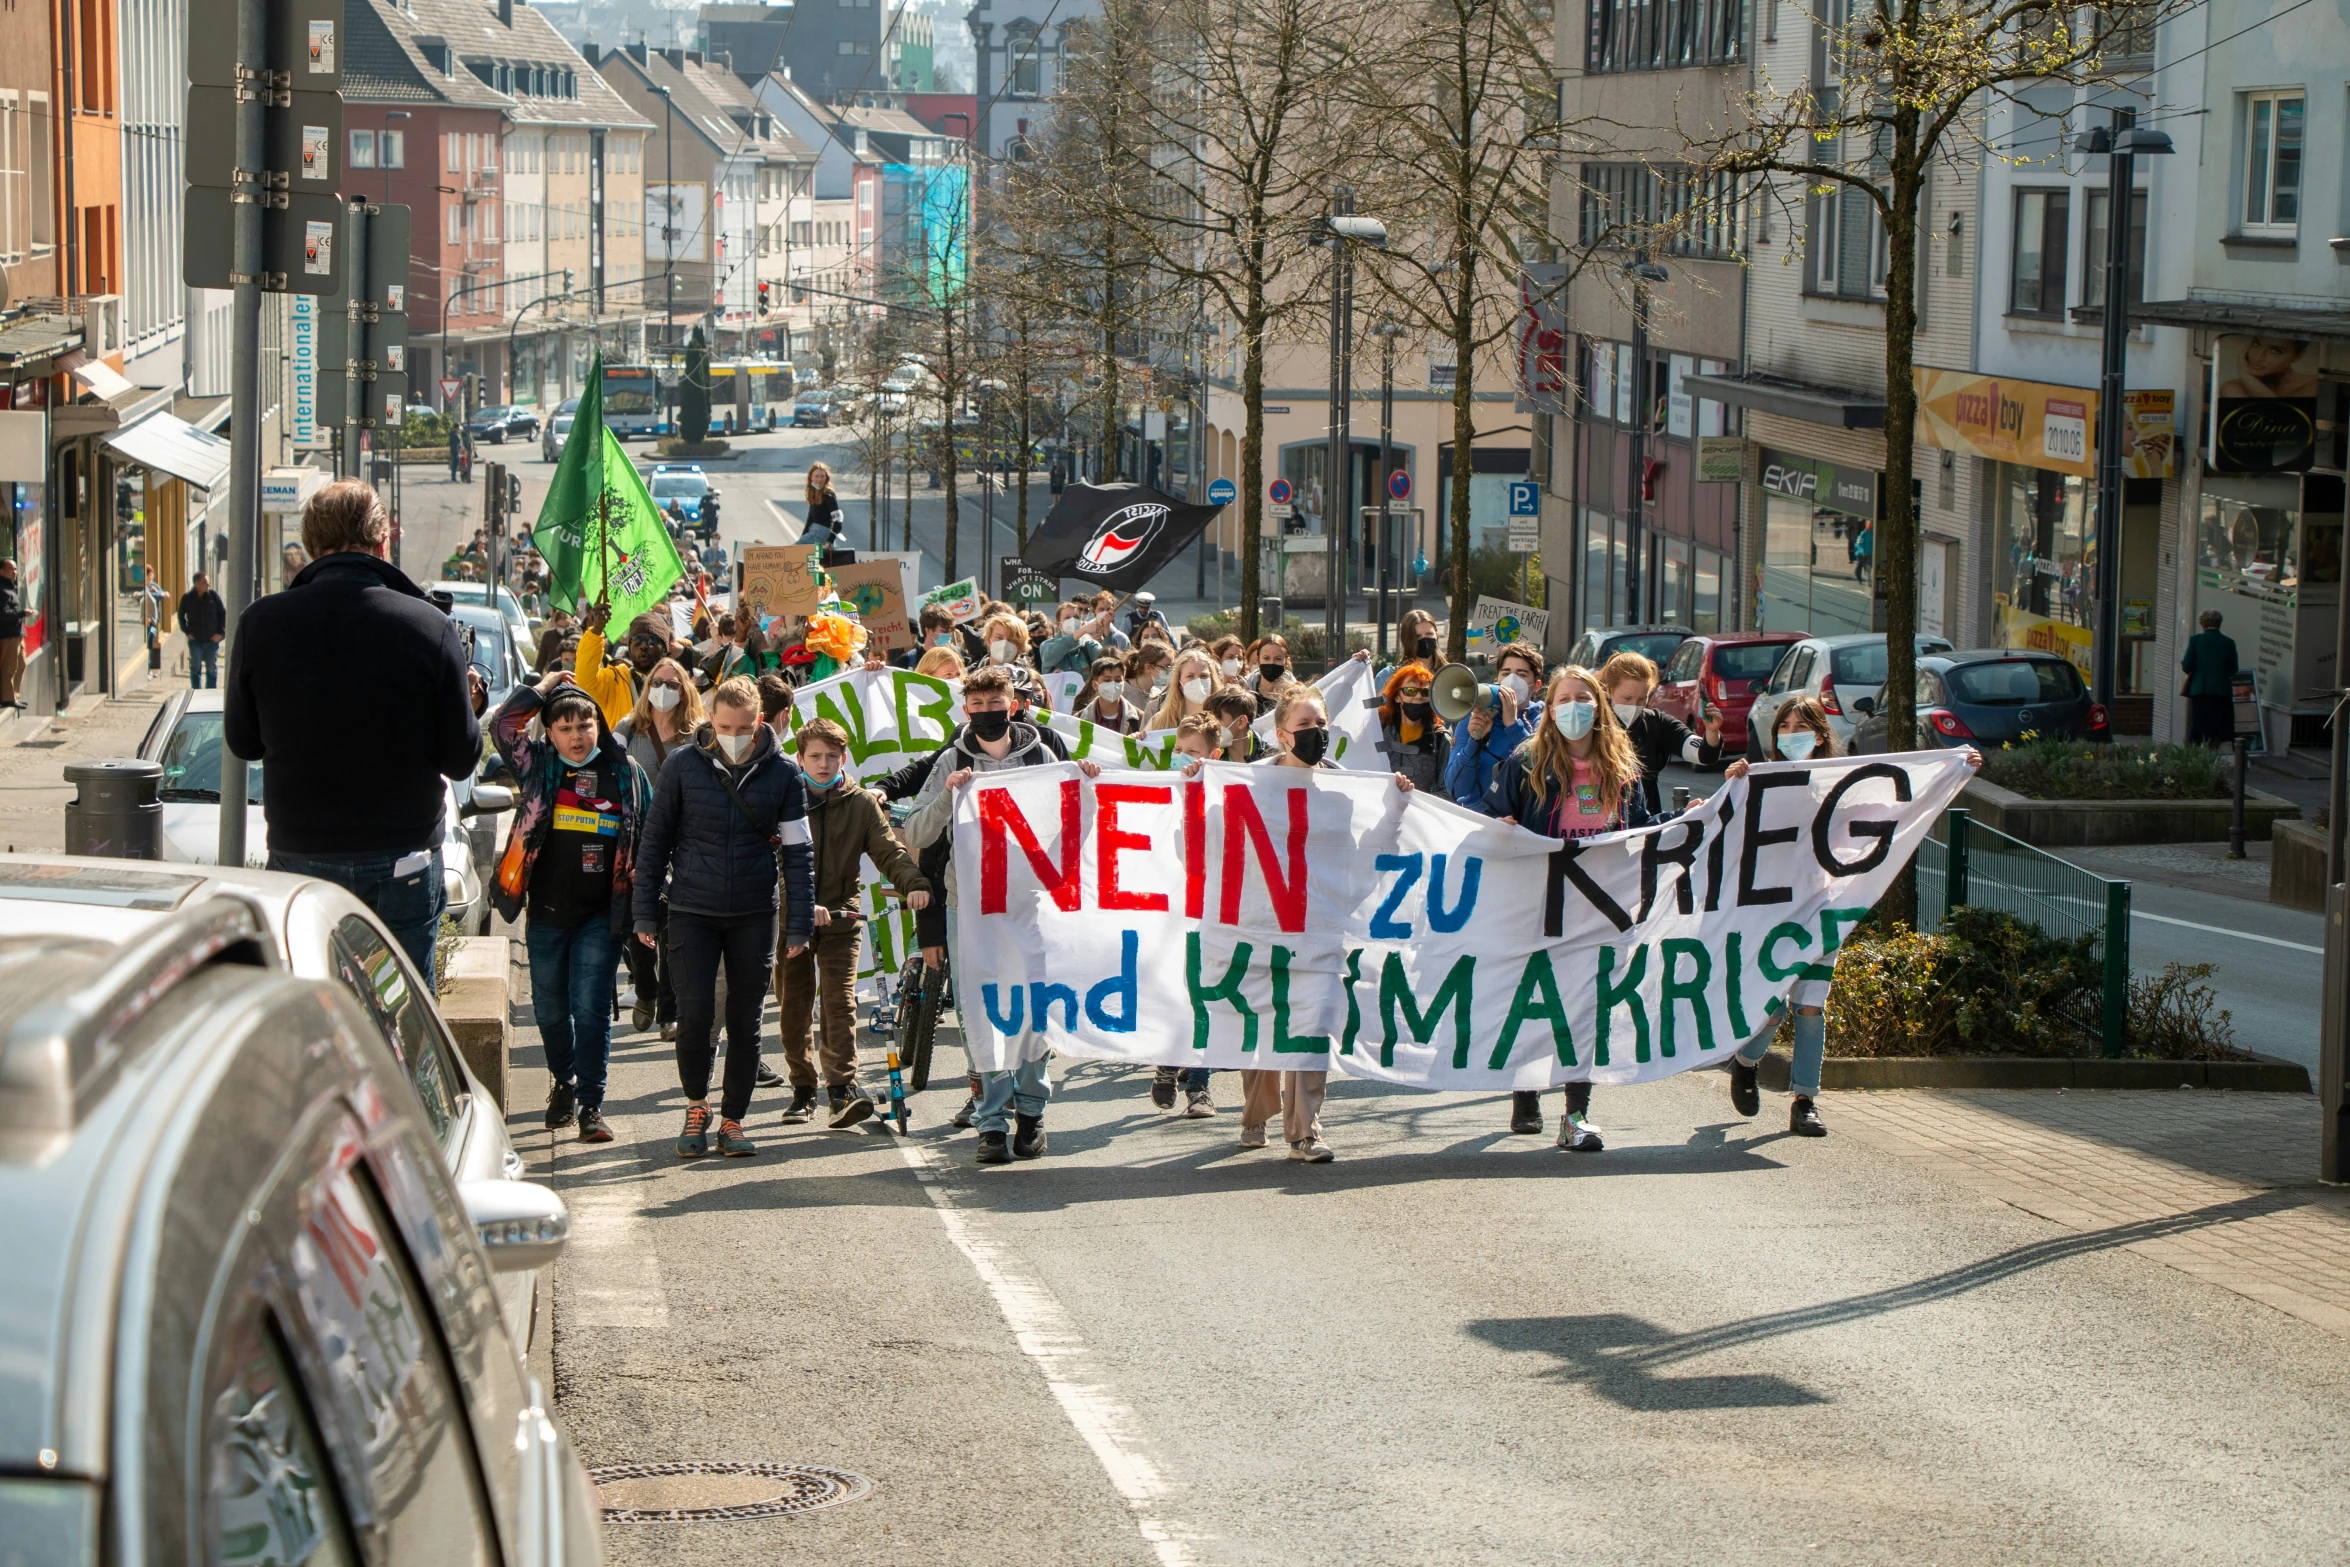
(2220, 1186)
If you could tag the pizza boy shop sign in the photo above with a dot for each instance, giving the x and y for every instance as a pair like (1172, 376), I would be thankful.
(1328, 921)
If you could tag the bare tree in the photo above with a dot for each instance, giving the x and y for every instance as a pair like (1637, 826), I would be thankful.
(1899, 84)
(1458, 98)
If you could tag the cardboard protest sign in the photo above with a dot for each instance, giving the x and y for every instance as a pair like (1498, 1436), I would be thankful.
(1318, 920)
(875, 591)
(781, 579)
(959, 599)
(1495, 623)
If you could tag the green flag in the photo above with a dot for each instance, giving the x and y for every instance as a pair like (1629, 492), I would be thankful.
(598, 524)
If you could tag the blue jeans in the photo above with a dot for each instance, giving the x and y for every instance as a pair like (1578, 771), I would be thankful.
(1024, 1089)
(571, 994)
(410, 906)
(203, 665)
(1811, 1048)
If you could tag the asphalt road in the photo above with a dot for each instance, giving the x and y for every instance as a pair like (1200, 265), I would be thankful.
(1711, 1343)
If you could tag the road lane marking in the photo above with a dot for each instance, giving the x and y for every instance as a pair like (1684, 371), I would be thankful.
(2221, 930)
(612, 1242)
(1048, 1336)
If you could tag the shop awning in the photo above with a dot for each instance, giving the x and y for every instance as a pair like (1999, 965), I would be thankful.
(37, 337)
(102, 380)
(2212, 316)
(1828, 405)
(174, 446)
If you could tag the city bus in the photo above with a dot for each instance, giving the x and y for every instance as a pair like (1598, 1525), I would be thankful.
(754, 388)
(632, 400)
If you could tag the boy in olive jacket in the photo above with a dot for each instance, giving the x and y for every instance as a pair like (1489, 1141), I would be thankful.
(846, 827)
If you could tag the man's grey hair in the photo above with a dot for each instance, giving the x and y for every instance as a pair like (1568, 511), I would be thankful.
(346, 515)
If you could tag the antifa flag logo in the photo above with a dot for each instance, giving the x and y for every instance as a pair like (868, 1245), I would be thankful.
(1120, 538)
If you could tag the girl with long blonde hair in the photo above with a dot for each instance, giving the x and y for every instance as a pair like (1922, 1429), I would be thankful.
(823, 505)
(1578, 777)
(1194, 680)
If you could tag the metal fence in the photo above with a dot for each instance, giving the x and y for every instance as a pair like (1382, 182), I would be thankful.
(1965, 862)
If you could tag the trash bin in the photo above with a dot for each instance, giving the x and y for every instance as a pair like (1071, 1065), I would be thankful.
(115, 810)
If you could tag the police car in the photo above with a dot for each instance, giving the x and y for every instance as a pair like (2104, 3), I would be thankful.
(684, 483)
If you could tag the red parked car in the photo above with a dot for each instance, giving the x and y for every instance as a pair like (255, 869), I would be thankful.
(1728, 669)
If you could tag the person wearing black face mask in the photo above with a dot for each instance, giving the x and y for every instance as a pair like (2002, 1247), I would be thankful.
(1415, 638)
(1269, 681)
(1416, 741)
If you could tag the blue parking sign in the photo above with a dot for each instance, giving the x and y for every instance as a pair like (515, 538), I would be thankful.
(1525, 498)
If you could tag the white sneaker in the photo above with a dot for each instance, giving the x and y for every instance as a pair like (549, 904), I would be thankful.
(1312, 1151)
(1198, 1105)
(1251, 1136)
(1578, 1135)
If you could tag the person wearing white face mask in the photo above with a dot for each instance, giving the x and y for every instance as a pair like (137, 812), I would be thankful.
(1799, 733)
(1657, 738)
(1190, 684)
(667, 713)
(1578, 777)
(1103, 698)
(728, 828)
(1005, 638)
(1485, 740)
(1081, 639)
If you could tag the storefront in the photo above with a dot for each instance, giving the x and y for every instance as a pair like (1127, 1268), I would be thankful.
(1819, 546)
(2038, 444)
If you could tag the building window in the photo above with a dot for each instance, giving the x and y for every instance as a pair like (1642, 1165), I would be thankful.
(2037, 278)
(363, 149)
(391, 149)
(1655, 35)
(449, 150)
(2272, 162)
(2093, 242)
(1020, 49)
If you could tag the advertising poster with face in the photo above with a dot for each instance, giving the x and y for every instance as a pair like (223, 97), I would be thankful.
(2263, 405)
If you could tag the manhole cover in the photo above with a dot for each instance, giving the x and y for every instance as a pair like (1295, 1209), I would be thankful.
(709, 1492)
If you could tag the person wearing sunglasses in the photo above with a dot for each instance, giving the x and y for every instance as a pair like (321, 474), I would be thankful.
(1416, 742)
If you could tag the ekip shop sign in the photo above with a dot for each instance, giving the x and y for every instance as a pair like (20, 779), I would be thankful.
(1852, 491)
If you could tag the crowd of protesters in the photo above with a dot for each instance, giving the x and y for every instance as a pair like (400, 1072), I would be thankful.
(667, 827)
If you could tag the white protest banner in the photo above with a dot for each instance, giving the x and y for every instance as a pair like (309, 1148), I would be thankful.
(1323, 920)
(1062, 685)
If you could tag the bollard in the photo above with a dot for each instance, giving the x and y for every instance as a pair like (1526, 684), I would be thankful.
(115, 811)
(2236, 819)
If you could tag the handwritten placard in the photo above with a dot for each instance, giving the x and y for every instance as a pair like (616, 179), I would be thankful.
(874, 591)
(781, 579)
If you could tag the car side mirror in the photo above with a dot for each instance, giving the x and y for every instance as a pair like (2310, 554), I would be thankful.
(521, 1224)
(1866, 706)
(488, 800)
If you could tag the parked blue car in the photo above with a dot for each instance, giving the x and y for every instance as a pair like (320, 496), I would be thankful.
(1996, 696)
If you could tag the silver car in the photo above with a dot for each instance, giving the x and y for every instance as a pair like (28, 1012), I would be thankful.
(261, 1302)
(1843, 674)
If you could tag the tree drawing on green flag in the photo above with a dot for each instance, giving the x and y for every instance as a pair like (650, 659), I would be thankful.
(599, 530)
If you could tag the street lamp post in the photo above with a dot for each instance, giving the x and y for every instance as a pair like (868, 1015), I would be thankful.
(1643, 273)
(2121, 145)
(1387, 332)
(1342, 231)
(669, 209)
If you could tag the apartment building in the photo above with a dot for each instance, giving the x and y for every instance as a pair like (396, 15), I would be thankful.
(1018, 48)
(711, 138)
(1631, 531)
(2255, 218)
(841, 267)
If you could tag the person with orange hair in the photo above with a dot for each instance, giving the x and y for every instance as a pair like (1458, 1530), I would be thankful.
(1416, 742)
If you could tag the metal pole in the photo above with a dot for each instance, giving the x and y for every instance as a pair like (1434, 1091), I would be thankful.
(1349, 512)
(2236, 815)
(2107, 583)
(1386, 476)
(1634, 607)
(244, 506)
(1335, 457)
(358, 342)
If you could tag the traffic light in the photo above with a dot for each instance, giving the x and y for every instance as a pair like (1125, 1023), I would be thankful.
(763, 288)
(513, 494)
(493, 491)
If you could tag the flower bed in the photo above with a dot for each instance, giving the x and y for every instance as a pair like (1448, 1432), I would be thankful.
(2080, 770)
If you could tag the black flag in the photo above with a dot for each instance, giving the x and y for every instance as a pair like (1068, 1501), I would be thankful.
(1116, 537)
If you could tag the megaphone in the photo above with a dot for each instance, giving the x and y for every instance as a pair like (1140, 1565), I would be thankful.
(1456, 693)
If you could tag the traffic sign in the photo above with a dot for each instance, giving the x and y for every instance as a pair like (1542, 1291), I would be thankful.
(1525, 541)
(303, 139)
(1223, 492)
(1525, 498)
(450, 387)
(301, 244)
(363, 340)
(304, 38)
(1280, 492)
(1399, 484)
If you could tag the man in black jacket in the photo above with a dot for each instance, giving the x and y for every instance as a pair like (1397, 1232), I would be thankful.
(354, 694)
(204, 619)
(11, 636)
(728, 816)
